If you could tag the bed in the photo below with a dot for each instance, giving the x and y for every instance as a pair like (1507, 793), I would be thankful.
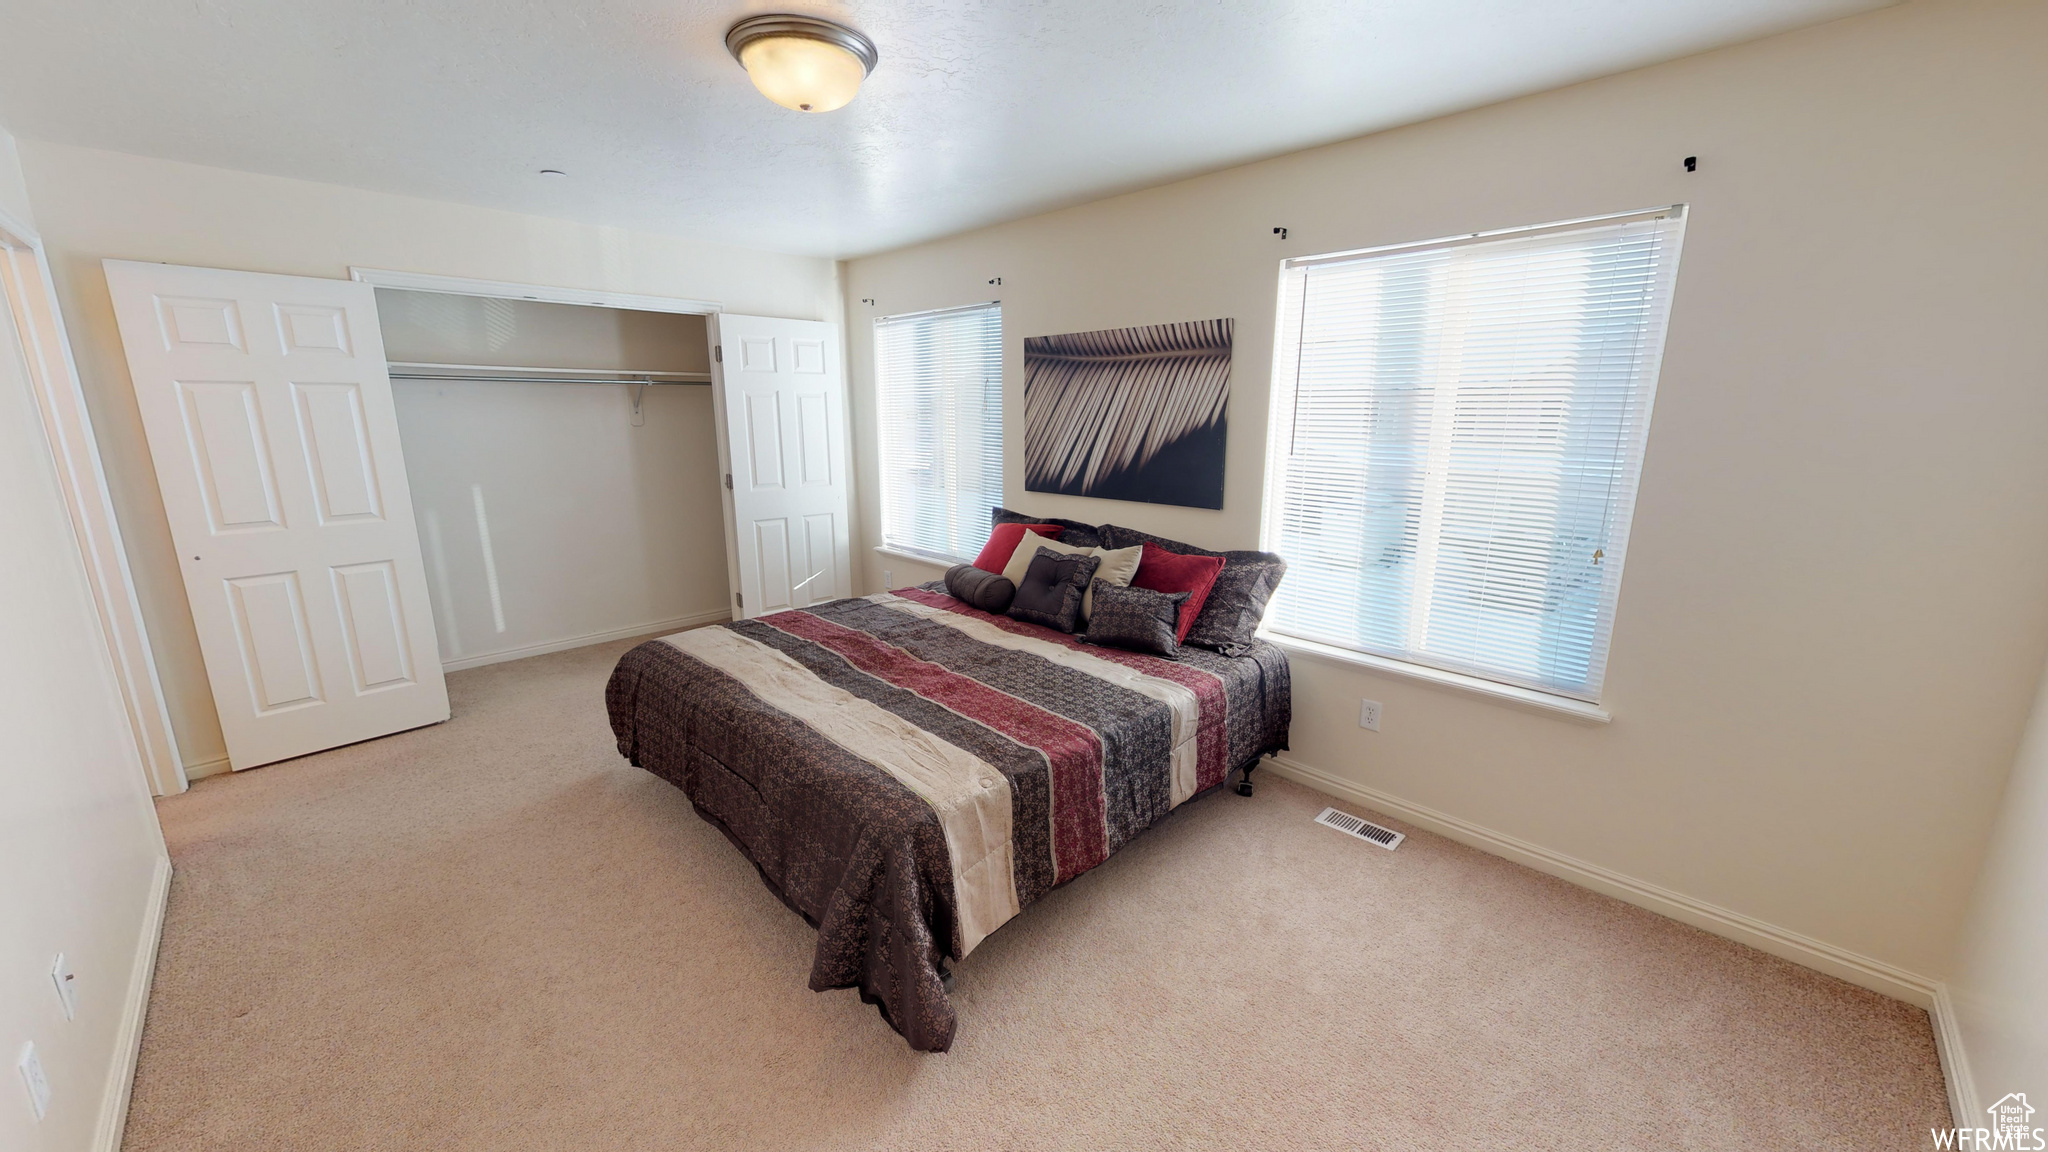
(908, 772)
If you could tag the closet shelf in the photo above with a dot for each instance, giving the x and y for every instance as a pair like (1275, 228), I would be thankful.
(521, 374)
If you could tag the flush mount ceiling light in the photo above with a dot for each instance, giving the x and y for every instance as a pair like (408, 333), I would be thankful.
(802, 62)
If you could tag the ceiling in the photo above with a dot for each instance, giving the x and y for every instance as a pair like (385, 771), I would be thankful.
(978, 112)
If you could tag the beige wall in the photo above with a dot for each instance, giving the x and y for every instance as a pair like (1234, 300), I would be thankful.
(79, 844)
(1837, 590)
(95, 205)
(13, 189)
(2001, 978)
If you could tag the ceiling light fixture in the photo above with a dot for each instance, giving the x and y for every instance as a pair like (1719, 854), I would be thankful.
(802, 62)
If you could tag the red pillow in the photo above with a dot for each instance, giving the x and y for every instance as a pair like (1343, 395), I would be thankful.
(1002, 544)
(1164, 571)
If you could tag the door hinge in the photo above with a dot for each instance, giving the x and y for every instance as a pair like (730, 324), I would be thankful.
(718, 353)
(728, 481)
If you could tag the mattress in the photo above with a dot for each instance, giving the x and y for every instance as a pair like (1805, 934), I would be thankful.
(908, 773)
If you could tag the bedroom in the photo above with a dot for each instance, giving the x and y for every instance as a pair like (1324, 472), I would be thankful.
(1774, 860)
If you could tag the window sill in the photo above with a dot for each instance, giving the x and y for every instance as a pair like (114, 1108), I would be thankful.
(940, 562)
(1528, 698)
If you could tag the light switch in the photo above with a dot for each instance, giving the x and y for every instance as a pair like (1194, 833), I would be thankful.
(67, 985)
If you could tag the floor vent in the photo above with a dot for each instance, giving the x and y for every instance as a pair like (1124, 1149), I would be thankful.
(1351, 825)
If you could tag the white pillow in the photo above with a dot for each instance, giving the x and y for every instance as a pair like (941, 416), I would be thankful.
(1118, 565)
(1027, 548)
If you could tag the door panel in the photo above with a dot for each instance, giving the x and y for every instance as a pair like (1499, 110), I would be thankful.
(764, 439)
(224, 430)
(373, 624)
(270, 421)
(277, 645)
(782, 404)
(337, 446)
(771, 559)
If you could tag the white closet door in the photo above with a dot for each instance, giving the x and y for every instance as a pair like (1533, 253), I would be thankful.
(782, 412)
(269, 416)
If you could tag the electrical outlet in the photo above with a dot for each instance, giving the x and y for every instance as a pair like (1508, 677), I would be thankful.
(888, 580)
(1369, 715)
(31, 1066)
(67, 985)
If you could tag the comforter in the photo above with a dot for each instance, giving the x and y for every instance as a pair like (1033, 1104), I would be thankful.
(908, 773)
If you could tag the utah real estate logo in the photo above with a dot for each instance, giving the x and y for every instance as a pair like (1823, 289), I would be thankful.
(2011, 1128)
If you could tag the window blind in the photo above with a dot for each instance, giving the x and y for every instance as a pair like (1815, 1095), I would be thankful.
(939, 381)
(1457, 429)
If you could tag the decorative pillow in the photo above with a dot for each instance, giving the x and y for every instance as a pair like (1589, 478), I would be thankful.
(1076, 533)
(1118, 566)
(1164, 571)
(1050, 593)
(1029, 546)
(1136, 618)
(1002, 544)
(984, 590)
(1236, 603)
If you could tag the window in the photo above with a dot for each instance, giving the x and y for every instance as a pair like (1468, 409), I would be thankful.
(1457, 430)
(939, 380)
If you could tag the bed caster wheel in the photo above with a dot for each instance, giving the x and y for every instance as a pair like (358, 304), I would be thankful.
(1244, 787)
(946, 979)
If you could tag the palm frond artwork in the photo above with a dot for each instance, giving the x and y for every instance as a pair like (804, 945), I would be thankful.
(1129, 413)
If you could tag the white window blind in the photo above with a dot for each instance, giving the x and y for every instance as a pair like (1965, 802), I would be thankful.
(939, 379)
(1457, 431)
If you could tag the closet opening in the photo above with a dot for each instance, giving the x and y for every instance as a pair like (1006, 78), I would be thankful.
(564, 467)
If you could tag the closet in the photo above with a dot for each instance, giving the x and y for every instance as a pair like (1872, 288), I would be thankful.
(564, 470)
(372, 481)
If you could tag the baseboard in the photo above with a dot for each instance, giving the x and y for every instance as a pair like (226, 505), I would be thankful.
(675, 625)
(1955, 1063)
(200, 769)
(1857, 969)
(128, 1040)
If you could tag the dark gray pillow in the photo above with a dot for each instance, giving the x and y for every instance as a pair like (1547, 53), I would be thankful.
(1236, 603)
(1077, 534)
(1050, 593)
(1136, 618)
(988, 591)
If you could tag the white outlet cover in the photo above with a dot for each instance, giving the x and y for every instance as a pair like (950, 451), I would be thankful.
(67, 985)
(31, 1066)
(1369, 715)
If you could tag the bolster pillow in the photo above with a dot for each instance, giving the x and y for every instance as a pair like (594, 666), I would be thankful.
(988, 591)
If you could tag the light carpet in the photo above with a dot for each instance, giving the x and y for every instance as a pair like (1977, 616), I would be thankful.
(496, 934)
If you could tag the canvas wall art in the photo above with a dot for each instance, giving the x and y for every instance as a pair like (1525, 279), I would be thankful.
(1129, 413)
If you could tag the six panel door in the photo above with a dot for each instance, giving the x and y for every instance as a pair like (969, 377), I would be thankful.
(782, 402)
(270, 421)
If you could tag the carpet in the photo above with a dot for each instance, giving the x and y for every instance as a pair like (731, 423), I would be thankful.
(496, 934)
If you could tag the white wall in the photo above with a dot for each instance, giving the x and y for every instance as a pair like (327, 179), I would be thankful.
(79, 845)
(590, 527)
(1837, 590)
(2000, 986)
(97, 204)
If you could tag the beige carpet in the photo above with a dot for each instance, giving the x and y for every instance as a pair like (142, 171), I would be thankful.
(495, 934)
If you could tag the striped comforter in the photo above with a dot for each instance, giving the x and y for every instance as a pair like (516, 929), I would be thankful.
(908, 772)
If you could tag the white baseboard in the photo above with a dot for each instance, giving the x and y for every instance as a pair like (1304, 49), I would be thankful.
(1857, 969)
(1955, 1063)
(675, 625)
(134, 1010)
(200, 769)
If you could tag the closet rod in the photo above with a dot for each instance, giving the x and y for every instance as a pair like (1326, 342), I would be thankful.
(518, 374)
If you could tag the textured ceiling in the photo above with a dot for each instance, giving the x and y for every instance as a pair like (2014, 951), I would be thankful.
(978, 112)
